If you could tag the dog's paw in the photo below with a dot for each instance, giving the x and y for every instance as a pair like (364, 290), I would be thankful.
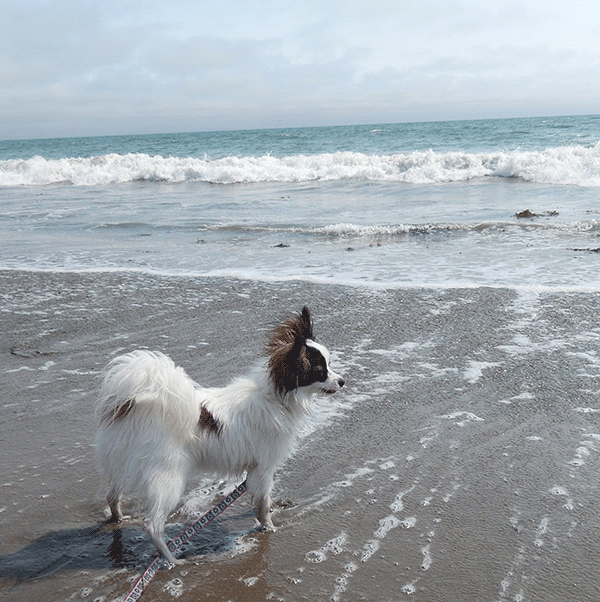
(116, 520)
(267, 527)
(115, 516)
(174, 562)
(123, 517)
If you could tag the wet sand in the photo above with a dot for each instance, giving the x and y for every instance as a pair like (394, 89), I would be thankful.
(460, 463)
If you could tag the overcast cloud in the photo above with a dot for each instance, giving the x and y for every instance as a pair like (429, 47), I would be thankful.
(83, 67)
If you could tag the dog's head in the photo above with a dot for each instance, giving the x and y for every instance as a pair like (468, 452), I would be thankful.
(296, 361)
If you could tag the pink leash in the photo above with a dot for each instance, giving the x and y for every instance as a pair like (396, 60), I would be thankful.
(185, 535)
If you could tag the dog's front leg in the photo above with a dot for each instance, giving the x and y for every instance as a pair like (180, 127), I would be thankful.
(260, 484)
(263, 509)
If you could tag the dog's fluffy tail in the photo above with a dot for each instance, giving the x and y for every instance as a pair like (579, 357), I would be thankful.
(147, 410)
(147, 387)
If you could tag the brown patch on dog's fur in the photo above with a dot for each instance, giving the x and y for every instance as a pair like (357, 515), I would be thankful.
(208, 421)
(286, 350)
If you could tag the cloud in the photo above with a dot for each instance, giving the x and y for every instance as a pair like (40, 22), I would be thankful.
(85, 67)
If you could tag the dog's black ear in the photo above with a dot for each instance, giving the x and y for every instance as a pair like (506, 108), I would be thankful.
(306, 324)
(286, 350)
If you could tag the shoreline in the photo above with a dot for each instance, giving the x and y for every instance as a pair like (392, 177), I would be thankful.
(459, 462)
(359, 286)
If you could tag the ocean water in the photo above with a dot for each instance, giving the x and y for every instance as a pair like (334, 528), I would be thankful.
(386, 206)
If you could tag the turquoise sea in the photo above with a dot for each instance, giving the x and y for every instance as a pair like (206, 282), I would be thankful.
(389, 205)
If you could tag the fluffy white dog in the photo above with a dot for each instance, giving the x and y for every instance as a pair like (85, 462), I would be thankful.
(157, 426)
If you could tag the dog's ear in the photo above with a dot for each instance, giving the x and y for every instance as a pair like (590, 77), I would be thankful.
(306, 327)
(285, 367)
(286, 350)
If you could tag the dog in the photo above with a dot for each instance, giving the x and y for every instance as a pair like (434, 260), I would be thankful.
(156, 426)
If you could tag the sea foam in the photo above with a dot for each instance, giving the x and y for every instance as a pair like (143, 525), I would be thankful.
(569, 165)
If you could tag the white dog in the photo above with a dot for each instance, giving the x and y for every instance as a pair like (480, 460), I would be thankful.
(157, 426)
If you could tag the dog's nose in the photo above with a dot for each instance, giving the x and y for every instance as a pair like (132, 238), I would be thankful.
(341, 382)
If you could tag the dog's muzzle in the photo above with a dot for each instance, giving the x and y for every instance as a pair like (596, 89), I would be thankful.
(337, 384)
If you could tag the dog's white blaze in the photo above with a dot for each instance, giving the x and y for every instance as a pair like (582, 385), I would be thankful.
(332, 377)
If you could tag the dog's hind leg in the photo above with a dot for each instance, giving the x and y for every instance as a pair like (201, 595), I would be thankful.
(114, 503)
(163, 501)
(156, 528)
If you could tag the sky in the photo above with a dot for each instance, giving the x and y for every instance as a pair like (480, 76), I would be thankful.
(88, 67)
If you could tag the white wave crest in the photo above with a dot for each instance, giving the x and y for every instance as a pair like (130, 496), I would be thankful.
(564, 165)
(358, 230)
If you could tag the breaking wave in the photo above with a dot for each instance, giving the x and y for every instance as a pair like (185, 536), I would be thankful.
(391, 231)
(569, 165)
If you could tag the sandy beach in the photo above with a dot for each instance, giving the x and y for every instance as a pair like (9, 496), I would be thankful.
(459, 464)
